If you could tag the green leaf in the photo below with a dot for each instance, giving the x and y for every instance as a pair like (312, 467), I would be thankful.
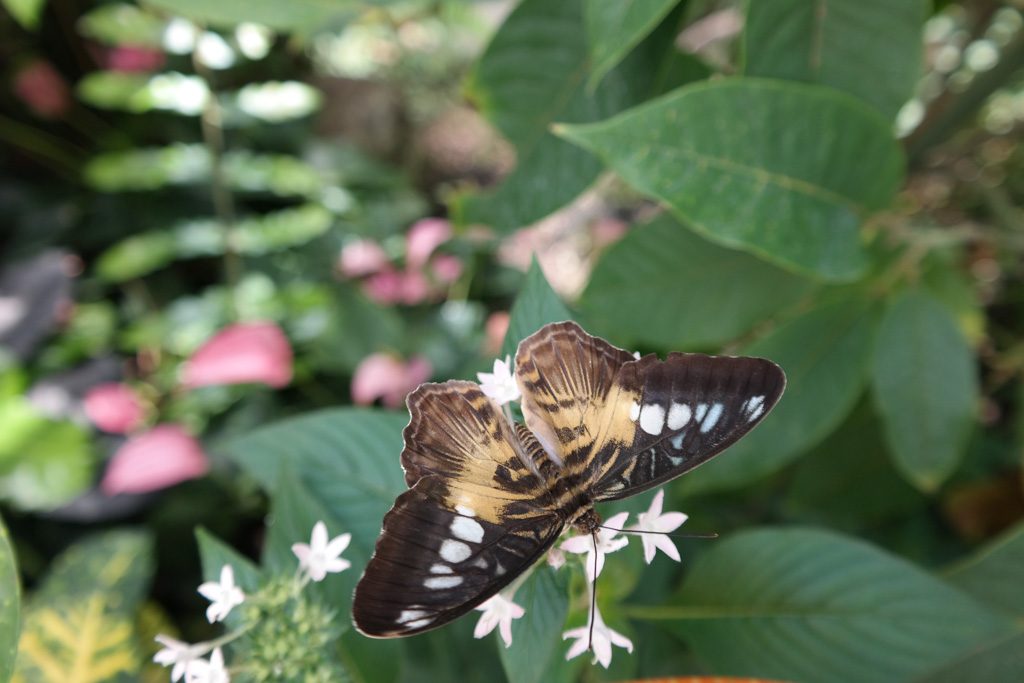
(869, 48)
(993, 574)
(10, 605)
(214, 554)
(154, 168)
(795, 198)
(716, 294)
(536, 651)
(294, 15)
(294, 512)
(138, 93)
(1001, 661)
(801, 604)
(825, 354)
(535, 306)
(347, 459)
(25, 12)
(615, 28)
(119, 23)
(532, 74)
(848, 481)
(926, 387)
(79, 625)
(43, 463)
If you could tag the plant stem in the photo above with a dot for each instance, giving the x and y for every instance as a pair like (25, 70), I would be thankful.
(212, 121)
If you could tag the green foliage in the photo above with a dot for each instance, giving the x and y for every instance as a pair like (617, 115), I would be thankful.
(536, 305)
(825, 353)
(1000, 662)
(869, 49)
(119, 23)
(296, 15)
(10, 605)
(716, 294)
(79, 624)
(992, 574)
(803, 192)
(537, 63)
(25, 12)
(535, 655)
(926, 387)
(613, 29)
(809, 605)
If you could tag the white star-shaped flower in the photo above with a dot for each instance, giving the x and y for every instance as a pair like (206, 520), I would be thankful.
(556, 557)
(209, 671)
(500, 385)
(603, 639)
(653, 520)
(321, 556)
(498, 611)
(223, 595)
(606, 543)
(177, 654)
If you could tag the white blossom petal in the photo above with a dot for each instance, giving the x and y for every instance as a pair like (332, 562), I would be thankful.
(498, 611)
(500, 385)
(657, 524)
(322, 555)
(600, 639)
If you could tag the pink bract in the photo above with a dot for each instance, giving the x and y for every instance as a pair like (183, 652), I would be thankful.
(362, 257)
(114, 407)
(423, 238)
(133, 59)
(239, 354)
(43, 89)
(388, 378)
(163, 456)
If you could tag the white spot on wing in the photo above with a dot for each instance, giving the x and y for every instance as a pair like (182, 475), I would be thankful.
(467, 529)
(678, 415)
(465, 510)
(418, 623)
(755, 404)
(652, 418)
(442, 581)
(634, 411)
(712, 419)
(454, 551)
(756, 414)
(438, 568)
(702, 410)
(677, 441)
(408, 615)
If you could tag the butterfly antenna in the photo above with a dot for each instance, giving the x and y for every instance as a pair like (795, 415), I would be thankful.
(712, 534)
(593, 597)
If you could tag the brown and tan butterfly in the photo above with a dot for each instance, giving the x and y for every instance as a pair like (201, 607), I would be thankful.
(487, 497)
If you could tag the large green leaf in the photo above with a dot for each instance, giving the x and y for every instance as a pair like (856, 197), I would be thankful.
(79, 625)
(790, 183)
(807, 605)
(533, 73)
(926, 387)
(347, 458)
(119, 23)
(10, 605)
(662, 285)
(294, 15)
(869, 48)
(214, 554)
(536, 306)
(25, 12)
(536, 651)
(615, 28)
(1000, 661)
(994, 573)
(825, 354)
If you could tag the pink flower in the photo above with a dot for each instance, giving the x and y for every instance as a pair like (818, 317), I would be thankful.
(415, 288)
(423, 238)
(161, 457)
(133, 58)
(114, 407)
(446, 268)
(385, 377)
(385, 287)
(362, 257)
(239, 354)
(43, 89)
(495, 330)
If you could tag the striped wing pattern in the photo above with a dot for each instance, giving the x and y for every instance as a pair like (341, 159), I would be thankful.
(488, 497)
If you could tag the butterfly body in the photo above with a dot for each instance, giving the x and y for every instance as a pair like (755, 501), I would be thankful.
(488, 496)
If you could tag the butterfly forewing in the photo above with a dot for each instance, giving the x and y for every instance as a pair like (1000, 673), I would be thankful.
(681, 412)
(477, 515)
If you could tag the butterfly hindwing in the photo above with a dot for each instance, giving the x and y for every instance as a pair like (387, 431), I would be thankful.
(475, 517)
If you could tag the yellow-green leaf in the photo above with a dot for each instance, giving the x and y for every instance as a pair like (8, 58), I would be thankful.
(10, 603)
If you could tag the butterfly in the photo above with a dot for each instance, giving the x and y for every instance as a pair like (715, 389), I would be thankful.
(488, 496)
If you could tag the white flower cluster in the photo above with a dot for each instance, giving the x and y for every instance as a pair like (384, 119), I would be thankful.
(500, 610)
(318, 558)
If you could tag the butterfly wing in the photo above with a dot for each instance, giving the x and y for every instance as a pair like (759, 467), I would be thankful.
(682, 412)
(476, 517)
(623, 425)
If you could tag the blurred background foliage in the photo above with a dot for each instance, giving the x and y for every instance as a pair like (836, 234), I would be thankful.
(225, 223)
